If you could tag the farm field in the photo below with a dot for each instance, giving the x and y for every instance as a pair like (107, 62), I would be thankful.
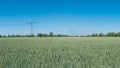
(60, 52)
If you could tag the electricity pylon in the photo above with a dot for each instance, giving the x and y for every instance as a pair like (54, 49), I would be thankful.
(72, 32)
(31, 26)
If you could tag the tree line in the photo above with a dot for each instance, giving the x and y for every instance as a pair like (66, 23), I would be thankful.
(109, 34)
(51, 34)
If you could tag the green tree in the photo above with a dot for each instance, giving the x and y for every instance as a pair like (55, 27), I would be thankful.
(111, 34)
(17, 35)
(9, 36)
(4, 35)
(94, 35)
(101, 35)
(0, 35)
(13, 35)
(59, 35)
(45, 35)
(51, 34)
(118, 34)
(40, 35)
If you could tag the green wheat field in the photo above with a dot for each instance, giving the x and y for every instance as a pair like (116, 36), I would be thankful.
(60, 52)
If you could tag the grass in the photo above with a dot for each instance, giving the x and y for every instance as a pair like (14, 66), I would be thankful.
(66, 52)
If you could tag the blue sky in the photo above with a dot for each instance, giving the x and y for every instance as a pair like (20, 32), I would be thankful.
(60, 16)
